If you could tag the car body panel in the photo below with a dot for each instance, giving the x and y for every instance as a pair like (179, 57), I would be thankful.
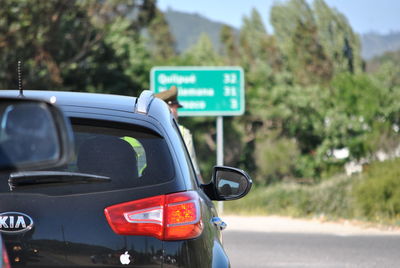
(72, 230)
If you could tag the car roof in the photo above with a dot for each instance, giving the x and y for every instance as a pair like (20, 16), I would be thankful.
(84, 99)
(145, 104)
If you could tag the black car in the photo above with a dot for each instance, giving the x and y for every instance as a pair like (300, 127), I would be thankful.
(128, 197)
(34, 115)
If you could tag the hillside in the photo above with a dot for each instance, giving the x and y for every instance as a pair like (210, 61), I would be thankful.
(187, 27)
(374, 44)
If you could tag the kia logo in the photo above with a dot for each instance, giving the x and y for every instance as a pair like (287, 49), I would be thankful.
(15, 222)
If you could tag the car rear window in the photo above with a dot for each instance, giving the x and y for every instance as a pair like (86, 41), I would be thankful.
(133, 157)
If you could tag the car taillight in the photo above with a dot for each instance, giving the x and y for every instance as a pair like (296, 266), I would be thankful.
(167, 217)
(5, 259)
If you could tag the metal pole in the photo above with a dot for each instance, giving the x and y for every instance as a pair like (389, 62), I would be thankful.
(220, 151)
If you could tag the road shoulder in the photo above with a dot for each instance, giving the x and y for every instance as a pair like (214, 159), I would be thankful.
(291, 225)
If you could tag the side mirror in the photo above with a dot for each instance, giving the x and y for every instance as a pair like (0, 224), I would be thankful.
(228, 183)
(34, 134)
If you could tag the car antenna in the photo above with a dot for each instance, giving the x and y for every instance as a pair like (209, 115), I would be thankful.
(21, 90)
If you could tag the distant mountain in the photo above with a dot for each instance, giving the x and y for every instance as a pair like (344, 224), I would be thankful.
(374, 44)
(187, 27)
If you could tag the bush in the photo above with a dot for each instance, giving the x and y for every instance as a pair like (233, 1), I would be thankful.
(331, 198)
(275, 158)
(378, 194)
(373, 195)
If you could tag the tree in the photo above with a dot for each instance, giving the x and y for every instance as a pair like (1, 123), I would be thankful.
(260, 57)
(296, 32)
(161, 41)
(256, 45)
(386, 74)
(229, 43)
(66, 44)
(202, 53)
(341, 44)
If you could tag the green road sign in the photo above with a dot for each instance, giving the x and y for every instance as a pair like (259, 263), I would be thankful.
(203, 91)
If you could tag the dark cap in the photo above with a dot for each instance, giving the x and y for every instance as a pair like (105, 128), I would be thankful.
(170, 96)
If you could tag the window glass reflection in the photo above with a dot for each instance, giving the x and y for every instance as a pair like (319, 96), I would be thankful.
(27, 134)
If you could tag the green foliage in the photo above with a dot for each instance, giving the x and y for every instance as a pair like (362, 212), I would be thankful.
(297, 35)
(388, 57)
(94, 46)
(306, 96)
(161, 40)
(276, 158)
(253, 37)
(341, 44)
(230, 49)
(378, 195)
(132, 54)
(373, 195)
(202, 53)
(359, 117)
(332, 199)
(306, 91)
(355, 103)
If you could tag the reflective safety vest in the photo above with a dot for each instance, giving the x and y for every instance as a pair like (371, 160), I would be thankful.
(140, 153)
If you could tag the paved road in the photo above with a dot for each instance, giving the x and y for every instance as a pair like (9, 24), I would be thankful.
(277, 242)
(262, 249)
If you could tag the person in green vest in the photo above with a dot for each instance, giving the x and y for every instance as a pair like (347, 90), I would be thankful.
(171, 98)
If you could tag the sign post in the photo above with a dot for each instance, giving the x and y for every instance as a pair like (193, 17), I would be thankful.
(220, 151)
(204, 91)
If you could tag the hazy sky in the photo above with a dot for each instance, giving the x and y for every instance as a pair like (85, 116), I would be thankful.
(382, 16)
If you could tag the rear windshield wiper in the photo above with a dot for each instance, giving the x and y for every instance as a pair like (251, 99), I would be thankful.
(29, 178)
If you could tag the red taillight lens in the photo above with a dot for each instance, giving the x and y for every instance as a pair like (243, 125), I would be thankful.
(166, 217)
(182, 216)
(140, 217)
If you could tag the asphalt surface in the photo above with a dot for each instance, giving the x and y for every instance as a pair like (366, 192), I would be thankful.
(259, 249)
(309, 244)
